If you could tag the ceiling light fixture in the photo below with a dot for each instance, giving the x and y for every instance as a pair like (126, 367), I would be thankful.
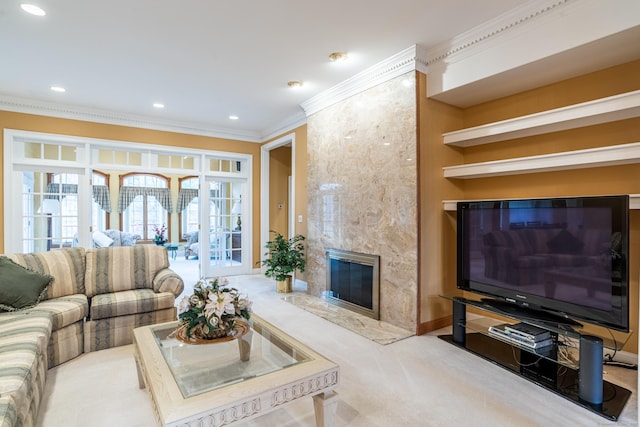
(158, 105)
(294, 84)
(33, 9)
(233, 117)
(58, 89)
(338, 57)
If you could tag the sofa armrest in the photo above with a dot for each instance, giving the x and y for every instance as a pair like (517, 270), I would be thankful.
(167, 280)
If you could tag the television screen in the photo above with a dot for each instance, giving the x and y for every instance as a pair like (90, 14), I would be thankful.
(566, 256)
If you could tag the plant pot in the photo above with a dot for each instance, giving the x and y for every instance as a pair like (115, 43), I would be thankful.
(284, 286)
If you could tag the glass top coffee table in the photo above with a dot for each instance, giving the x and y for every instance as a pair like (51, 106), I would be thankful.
(222, 383)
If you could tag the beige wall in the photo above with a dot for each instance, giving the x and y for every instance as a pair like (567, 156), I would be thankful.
(593, 181)
(35, 123)
(437, 229)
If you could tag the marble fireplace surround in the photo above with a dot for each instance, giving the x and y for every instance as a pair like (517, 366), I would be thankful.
(362, 191)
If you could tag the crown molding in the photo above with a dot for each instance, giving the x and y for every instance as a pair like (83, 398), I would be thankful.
(472, 41)
(44, 108)
(410, 59)
(285, 126)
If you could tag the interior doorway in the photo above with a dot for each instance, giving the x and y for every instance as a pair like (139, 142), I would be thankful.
(270, 210)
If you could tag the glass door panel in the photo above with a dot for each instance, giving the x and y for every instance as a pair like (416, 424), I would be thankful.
(225, 227)
(49, 211)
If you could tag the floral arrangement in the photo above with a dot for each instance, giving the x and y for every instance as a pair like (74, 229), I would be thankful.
(212, 310)
(159, 234)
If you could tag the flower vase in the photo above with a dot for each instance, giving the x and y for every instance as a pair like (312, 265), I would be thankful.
(241, 328)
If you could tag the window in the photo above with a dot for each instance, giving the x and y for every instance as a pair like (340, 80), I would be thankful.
(188, 205)
(60, 207)
(101, 201)
(144, 203)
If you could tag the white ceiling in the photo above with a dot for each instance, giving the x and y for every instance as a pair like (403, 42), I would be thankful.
(208, 59)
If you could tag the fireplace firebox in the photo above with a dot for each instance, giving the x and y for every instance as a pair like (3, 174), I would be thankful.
(353, 281)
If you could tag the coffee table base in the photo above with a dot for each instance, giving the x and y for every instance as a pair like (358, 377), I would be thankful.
(325, 403)
(302, 373)
(325, 406)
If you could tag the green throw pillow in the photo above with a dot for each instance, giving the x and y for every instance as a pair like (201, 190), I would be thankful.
(20, 288)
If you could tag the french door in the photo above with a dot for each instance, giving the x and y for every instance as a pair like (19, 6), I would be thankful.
(58, 189)
(50, 213)
(223, 243)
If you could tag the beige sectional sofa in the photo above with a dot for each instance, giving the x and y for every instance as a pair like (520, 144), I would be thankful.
(96, 299)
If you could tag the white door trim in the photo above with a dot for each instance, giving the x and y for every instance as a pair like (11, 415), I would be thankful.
(289, 139)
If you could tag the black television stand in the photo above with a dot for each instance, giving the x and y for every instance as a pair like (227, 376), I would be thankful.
(582, 385)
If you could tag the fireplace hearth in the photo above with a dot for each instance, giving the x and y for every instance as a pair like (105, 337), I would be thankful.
(353, 281)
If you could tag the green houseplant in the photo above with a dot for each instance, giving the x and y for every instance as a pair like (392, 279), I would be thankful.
(284, 257)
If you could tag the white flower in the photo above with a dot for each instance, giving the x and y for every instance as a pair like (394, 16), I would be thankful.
(244, 304)
(184, 305)
(195, 301)
(219, 303)
(230, 308)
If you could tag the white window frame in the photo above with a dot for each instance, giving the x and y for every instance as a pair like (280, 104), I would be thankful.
(87, 159)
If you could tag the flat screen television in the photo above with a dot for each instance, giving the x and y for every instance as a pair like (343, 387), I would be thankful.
(564, 257)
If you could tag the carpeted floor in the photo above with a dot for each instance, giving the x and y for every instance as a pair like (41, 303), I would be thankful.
(416, 381)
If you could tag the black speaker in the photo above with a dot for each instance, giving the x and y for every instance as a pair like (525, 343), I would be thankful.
(459, 322)
(590, 373)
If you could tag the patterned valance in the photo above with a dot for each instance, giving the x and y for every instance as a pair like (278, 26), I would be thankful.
(185, 196)
(101, 197)
(58, 192)
(128, 194)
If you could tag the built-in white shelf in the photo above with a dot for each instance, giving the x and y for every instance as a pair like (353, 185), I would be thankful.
(610, 109)
(452, 205)
(578, 159)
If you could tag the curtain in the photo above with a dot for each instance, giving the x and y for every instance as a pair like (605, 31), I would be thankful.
(128, 194)
(100, 193)
(59, 191)
(185, 196)
(101, 197)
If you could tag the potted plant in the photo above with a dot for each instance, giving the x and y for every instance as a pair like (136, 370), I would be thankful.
(159, 237)
(284, 258)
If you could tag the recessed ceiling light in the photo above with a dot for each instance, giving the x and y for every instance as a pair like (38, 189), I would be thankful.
(338, 57)
(295, 83)
(233, 117)
(158, 105)
(58, 89)
(33, 9)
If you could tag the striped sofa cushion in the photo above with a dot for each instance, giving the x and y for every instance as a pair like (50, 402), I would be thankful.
(65, 344)
(16, 324)
(116, 331)
(129, 302)
(123, 268)
(67, 266)
(168, 280)
(23, 363)
(65, 310)
(8, 413)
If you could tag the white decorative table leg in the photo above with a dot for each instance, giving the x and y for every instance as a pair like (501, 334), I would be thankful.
(140, 375)
(325, 405)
